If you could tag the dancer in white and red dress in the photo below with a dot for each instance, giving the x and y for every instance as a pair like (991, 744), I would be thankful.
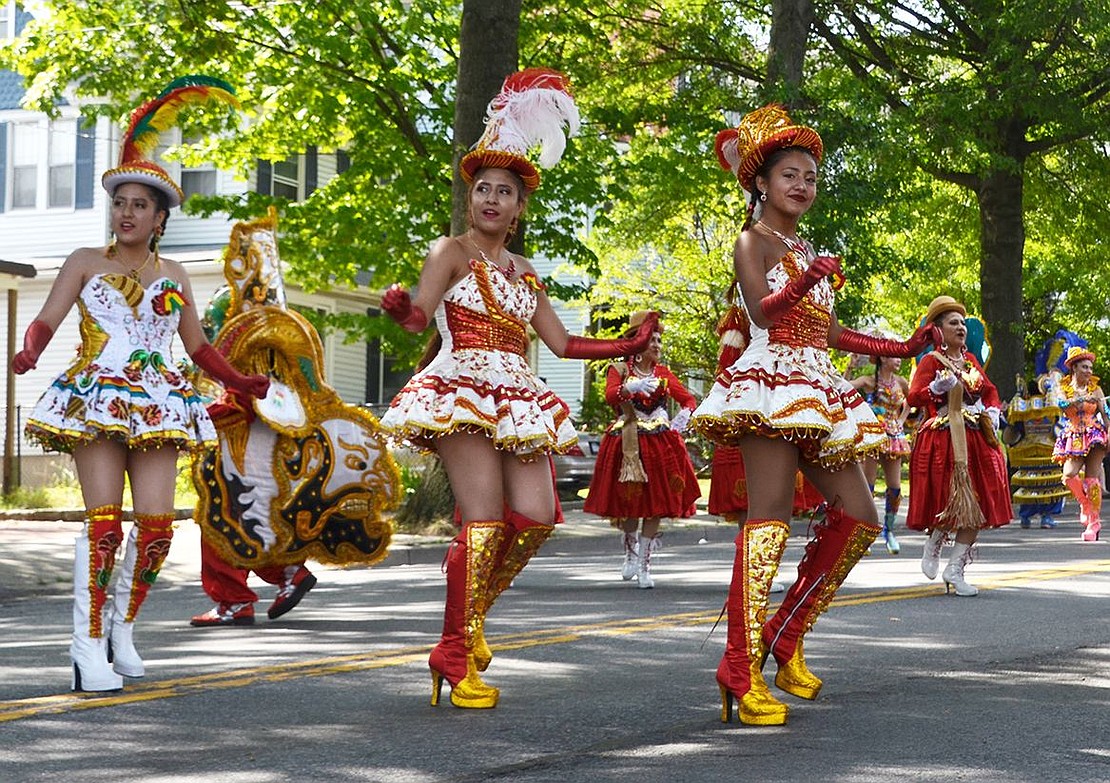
(645, 474)
(478, 403)
(785, 405)
(121, 409)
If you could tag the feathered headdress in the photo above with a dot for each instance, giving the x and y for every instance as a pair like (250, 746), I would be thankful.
(531, 110)
(148, 123)
(743, 149)
(1053, 354)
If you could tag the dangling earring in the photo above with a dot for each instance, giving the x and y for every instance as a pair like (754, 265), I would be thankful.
(110, 251)
(944, 347)
(511, 232)
(762, 196)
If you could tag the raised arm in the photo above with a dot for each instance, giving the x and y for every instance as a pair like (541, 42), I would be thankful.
(563, 344)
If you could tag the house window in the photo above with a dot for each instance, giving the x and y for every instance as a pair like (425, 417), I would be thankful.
(198, 179)
(287, 178)
(7, 19)
(383, 379)
(25, 165)
(61, 158)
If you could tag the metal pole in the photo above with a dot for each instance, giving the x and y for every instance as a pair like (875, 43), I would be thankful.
(9, 402)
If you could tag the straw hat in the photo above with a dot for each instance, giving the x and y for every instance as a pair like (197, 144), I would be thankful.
(941, 305)
(636, 319)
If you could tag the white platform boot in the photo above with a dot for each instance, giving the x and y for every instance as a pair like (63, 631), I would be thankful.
(91, 670)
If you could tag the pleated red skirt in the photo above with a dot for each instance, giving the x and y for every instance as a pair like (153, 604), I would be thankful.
(931, 476)
(671, 488)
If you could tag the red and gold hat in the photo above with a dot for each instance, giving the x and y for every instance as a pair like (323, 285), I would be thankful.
(743, 149)
(531, 110)
(147, 124)
(1078, 354)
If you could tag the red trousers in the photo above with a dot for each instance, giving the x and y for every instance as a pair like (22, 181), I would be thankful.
(227, 584)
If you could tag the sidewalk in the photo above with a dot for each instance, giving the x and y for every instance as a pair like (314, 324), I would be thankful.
(36, 548)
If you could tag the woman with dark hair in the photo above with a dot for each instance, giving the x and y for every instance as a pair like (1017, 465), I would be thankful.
(122, 409)
(787, 408)
(477, 403)
(643, 471)
(957, 470)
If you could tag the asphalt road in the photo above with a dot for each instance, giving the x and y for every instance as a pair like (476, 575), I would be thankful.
(600, 681)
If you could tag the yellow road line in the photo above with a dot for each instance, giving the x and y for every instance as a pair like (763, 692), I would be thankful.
(21, 709)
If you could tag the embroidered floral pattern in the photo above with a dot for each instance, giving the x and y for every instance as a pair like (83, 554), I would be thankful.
(122, 384)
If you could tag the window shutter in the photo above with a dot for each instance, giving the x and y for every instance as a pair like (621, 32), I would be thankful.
(3, 165)
(311, 177)
(342, 161)
(84, 182)
(265, 184)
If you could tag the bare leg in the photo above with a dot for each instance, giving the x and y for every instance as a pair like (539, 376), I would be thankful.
(846, 488)
(100, 466)
(474, 468)
(770, 466)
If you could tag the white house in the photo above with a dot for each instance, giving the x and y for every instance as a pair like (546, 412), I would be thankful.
(51, 202)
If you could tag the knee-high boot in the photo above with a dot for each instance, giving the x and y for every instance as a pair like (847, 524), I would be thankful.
(524, 539)
(1093, 492)
(470, 563)
(94, 557)
(893, 501)
(838, 544)
(147, 546)
(1079, 489)
(759, 547)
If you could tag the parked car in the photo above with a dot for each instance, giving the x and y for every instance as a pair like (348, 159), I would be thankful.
(574, 469)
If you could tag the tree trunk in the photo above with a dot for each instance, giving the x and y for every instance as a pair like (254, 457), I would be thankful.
(1002, 242)
(786, 51)
(488, 52)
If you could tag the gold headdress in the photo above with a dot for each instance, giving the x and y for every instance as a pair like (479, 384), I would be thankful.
(743, 149)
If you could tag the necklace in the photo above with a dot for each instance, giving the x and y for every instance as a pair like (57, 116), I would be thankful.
(136, 273)
(642, 373)
(793, 244)
(508, 271)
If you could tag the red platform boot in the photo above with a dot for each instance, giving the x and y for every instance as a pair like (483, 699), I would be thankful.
(470, 563)
(838, 544)
(759, 547)
(525, 538)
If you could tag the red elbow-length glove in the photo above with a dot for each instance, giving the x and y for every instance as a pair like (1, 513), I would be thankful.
(778, 304)
(213, 362)
(35, 340)
(593, 348)
(866, 345)
(398, 305)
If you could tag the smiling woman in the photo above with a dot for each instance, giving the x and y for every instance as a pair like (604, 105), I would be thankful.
(121, 409)
(477, 403)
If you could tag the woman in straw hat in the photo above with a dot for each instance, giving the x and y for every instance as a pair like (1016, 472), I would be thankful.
(477, 403)
(121, 408)
(643, 471)
(958, 481)
(787, 408)
(1081, 446)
